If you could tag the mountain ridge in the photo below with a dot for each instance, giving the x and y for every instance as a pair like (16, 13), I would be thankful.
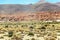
(14, 8)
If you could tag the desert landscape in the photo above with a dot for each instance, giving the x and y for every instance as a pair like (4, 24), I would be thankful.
(39, 21)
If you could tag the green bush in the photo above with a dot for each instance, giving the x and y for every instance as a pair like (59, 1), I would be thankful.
(10, 33)
(31, 34)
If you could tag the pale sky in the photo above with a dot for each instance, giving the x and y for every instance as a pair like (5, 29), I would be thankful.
(24, 1)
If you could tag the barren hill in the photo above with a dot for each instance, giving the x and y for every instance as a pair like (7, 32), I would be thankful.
(14, 8)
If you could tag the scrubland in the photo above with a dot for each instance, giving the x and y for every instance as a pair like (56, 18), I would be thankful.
(30, 30)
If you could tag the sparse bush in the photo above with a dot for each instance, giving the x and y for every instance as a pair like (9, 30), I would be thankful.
(6, 26)
(31, 34)
(10, 33)
(43, 28)
(33, 39)
(31, 27)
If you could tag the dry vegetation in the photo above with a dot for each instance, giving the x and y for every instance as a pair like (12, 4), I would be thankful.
(30, 30)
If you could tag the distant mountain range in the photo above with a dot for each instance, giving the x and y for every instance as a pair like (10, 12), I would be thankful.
(14, 8)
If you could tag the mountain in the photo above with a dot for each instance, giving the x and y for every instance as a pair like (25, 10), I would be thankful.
(14, 8)
(58, 3)
(47, 7)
